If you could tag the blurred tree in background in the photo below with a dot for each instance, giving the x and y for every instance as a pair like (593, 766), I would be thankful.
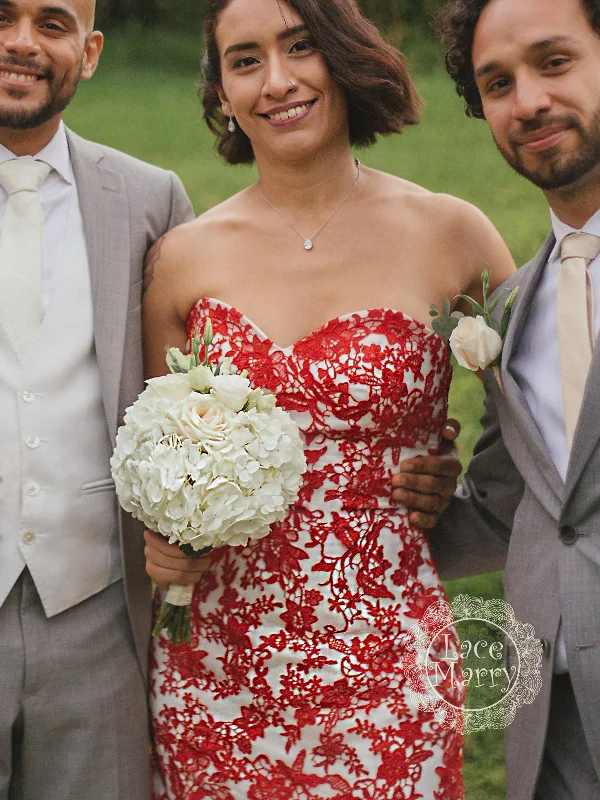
(390, 15)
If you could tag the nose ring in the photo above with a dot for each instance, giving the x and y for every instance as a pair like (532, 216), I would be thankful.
(294, 85)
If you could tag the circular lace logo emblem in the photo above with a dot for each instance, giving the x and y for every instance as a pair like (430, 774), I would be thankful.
(472, 663)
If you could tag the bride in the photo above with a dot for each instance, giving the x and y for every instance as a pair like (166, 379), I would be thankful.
(318, 280)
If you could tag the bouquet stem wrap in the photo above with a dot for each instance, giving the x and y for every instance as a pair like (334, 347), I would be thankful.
(179, 595)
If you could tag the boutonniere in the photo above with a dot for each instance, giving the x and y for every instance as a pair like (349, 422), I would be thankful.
(476, 341)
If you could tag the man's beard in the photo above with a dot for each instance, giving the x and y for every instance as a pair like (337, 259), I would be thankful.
(58, 99)
(558, 172)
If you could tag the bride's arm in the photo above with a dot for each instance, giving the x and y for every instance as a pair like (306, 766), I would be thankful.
(164, 325)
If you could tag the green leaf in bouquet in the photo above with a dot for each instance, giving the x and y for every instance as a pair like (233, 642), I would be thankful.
(189, 551)
(177, 362)
(208, 332)
(196, 349)
(447, 307)
(444, 326)
(434, 311)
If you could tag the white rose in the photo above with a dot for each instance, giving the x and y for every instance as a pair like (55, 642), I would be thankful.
(231, 390)
(168, 387)
(201, 418)
(201, 378)
(474, 343)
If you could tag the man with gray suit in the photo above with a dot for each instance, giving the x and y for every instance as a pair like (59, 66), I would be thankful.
(76, 221)
(530, 500)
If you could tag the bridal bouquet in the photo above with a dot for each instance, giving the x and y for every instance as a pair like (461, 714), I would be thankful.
(205, 459)
(475, 341)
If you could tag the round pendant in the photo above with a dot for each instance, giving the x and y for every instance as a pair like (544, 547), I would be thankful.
(308, 245)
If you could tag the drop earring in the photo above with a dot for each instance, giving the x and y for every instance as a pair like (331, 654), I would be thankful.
(231, 126)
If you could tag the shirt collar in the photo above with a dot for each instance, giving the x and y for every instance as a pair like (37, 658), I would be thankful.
(561, 229)
(56, 153)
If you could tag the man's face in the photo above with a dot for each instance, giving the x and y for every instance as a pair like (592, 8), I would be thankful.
(537, 67)
(45, 49)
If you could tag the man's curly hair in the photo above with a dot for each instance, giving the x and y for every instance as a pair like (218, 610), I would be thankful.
(456, 24)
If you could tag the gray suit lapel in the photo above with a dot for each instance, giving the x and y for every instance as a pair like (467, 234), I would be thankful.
(537, 461)
(105, 211)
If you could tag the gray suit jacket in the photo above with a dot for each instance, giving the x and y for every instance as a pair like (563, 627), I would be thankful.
(126, 205)
(514, 512)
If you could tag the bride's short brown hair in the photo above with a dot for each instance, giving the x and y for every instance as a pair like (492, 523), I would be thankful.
(373, 74)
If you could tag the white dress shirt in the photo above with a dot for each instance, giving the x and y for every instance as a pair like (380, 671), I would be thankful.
(55, 198)
(536, 363)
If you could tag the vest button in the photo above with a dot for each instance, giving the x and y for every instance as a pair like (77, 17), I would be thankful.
(33, 442)
(28, 397)
(568, 535)
(33, 489)
(28, 537)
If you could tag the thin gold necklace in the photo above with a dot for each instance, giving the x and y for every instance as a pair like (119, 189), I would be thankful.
(308, 241)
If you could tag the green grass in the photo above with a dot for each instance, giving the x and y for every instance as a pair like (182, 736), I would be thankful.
(143, 100)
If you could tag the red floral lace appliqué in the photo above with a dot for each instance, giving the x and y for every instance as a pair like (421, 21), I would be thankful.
(293, 688)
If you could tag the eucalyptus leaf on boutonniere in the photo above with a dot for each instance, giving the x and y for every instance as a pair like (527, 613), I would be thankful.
(476, 341)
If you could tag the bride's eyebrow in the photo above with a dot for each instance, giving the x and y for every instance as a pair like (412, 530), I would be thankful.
(286, 34)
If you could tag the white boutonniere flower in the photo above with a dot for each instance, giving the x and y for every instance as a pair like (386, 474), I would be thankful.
(477, 341)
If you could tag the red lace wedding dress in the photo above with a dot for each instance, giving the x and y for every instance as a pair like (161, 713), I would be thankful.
(293, 687)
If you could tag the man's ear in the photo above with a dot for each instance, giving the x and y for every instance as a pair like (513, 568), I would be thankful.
(225, 104)
(91, 56)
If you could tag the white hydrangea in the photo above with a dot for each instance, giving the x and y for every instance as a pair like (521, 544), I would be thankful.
(211, 468)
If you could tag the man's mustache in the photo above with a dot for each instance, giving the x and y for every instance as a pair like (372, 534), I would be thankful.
(539, 123)
(32, 65)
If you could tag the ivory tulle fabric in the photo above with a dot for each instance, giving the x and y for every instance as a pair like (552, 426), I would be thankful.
(292, 688)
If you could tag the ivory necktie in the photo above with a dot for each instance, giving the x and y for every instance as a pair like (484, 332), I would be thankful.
(575, 321)
(21, 250)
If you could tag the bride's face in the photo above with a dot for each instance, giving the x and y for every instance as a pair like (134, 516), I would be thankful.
(275, 84)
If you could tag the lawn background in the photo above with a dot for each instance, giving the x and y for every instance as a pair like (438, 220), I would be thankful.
(143, 100)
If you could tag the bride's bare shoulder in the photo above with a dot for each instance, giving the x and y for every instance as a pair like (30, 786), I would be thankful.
(404, 196)
(210, 226)
(445, 224)
(188, 246)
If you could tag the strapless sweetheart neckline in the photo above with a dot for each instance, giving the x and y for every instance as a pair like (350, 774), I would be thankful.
(425, 329)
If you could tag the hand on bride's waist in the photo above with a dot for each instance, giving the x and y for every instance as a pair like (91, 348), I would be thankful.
(425, 484)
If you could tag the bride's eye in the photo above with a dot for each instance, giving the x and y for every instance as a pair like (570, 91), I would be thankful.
(302, 46)
(245, 61)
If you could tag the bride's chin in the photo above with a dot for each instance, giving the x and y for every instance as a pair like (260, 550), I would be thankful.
(288, 152)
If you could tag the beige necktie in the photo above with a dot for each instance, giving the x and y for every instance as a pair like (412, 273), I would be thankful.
(575, 322)
(21, 250)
